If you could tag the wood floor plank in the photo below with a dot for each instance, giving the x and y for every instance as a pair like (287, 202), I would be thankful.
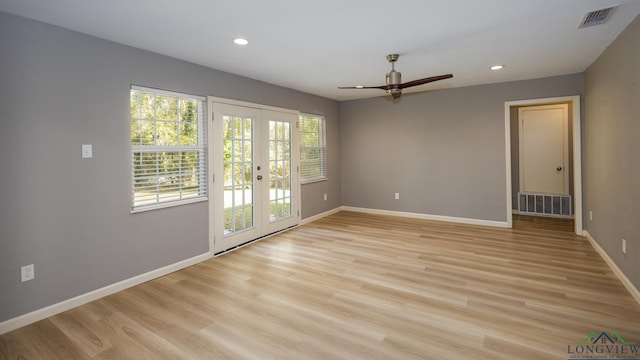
(358, 286)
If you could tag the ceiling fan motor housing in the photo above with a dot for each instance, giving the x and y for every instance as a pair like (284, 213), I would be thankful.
(393, 84)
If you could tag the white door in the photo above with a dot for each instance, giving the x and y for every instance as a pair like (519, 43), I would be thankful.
(254, 155)
(280, 160)
(544, 149)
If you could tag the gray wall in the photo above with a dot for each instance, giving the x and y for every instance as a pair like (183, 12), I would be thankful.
(443, 151)
(612, 168)
(70, 216)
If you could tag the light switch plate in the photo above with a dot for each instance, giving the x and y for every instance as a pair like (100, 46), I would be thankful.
(27, 273)
(87, 151)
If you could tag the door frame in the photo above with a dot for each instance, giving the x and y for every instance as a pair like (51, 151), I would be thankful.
(576, 134)
(212, 162)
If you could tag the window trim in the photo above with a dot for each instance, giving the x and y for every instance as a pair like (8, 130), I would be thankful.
(200, 147)
(323, 160)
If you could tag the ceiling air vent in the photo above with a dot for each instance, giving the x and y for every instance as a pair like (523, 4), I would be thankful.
(596, 17)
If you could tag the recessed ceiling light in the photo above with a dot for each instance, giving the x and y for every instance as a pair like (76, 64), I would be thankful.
(240, 41)
(497, 67)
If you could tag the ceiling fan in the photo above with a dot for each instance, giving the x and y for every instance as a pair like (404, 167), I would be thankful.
(394, 86)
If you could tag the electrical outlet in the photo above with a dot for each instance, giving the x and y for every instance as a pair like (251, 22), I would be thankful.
(325, 197)
(624, 246)
(590, 215)
(27, 273)
(397, 196)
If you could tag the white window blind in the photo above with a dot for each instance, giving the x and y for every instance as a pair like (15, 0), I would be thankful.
(167, 148)
(313, 165)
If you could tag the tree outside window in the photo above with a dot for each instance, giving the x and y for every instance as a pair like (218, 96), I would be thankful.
(168, 147)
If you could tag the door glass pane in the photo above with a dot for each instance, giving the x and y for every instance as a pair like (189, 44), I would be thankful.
(238, 173)
(279, 170)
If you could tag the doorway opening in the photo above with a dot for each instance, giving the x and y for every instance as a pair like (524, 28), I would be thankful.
(531, 222)
(573, 163)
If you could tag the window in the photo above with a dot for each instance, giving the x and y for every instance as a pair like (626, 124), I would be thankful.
(167, 148)
(312, 148)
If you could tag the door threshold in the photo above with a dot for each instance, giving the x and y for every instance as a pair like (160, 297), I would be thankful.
(254, 240)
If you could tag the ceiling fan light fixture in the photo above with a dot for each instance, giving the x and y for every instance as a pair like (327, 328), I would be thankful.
(395, 93)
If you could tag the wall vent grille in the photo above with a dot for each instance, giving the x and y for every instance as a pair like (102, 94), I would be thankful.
(545, 204)
(596, 17)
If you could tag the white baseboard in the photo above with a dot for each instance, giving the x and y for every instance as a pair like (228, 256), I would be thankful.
(40, 314)
(616, 270)
(428, 217)
(65, 305)
(54, 309)
(319, 216)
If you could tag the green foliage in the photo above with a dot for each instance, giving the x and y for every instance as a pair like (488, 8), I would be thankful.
(158, 122)
(238, 218)
(279, 209)
(237, 151)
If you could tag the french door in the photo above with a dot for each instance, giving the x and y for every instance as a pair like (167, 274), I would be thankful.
(255, 172)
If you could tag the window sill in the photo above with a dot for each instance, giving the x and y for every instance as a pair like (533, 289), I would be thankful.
(311, 181)
(168, 205)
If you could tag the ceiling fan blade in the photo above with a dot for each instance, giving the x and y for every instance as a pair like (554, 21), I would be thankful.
(425, 81)
(383, 87)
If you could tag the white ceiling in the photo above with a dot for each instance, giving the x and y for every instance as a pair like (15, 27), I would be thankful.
(316, 46)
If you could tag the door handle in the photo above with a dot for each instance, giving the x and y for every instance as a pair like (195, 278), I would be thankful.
(259, 177)
(559, 168)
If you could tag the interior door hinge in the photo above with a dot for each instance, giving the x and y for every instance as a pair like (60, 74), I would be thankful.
(297, 124)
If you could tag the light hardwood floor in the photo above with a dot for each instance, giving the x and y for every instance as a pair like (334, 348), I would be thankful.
(358, 286)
